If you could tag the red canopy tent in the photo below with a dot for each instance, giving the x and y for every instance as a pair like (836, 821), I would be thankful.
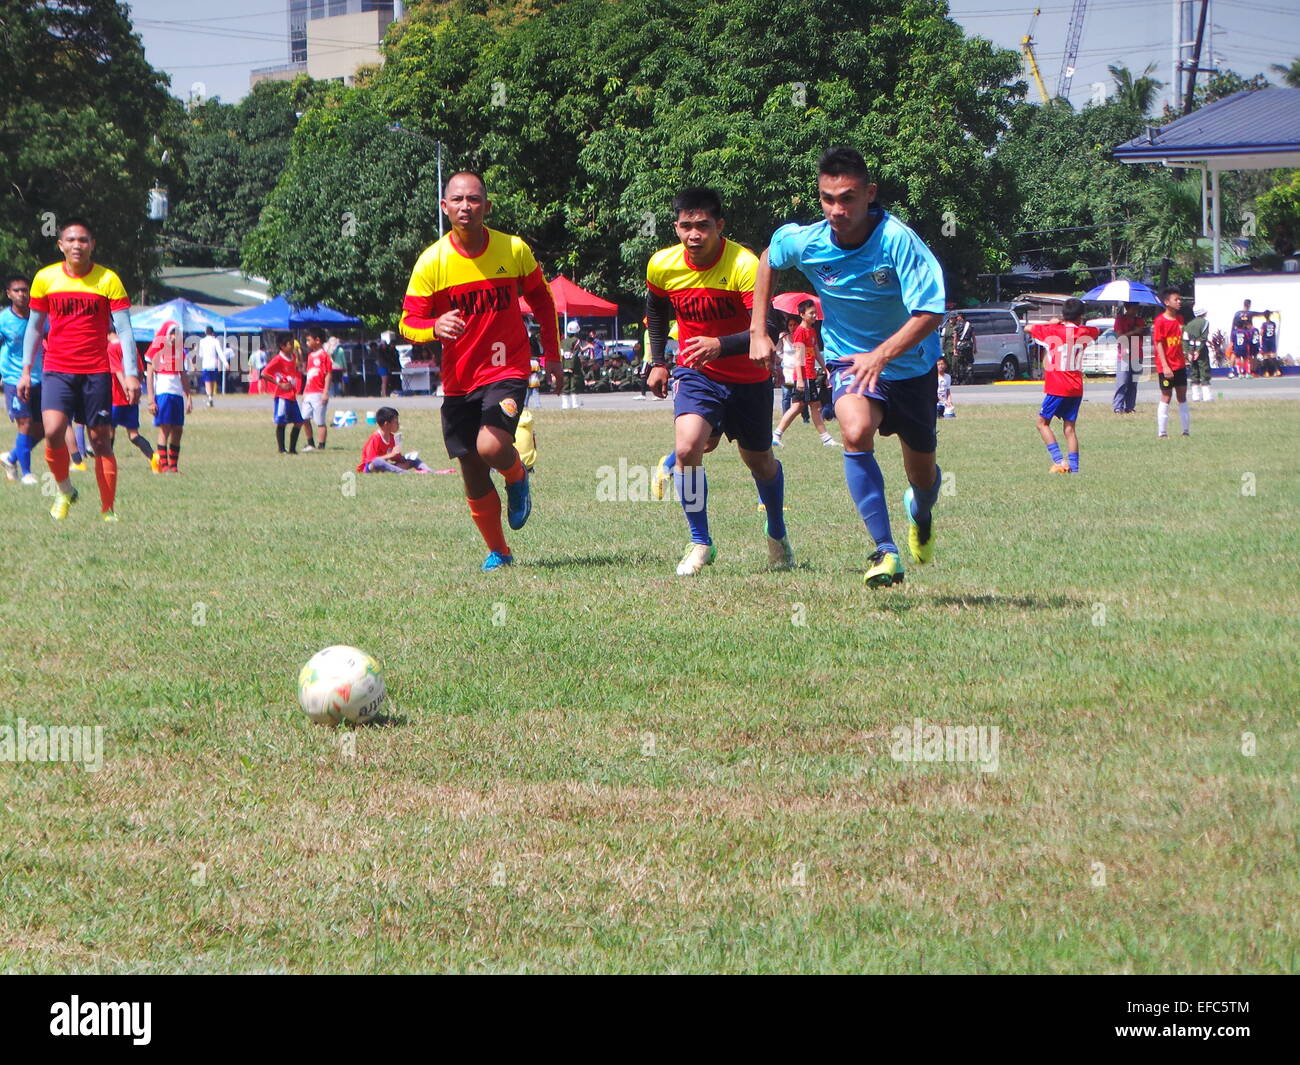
(573, 301)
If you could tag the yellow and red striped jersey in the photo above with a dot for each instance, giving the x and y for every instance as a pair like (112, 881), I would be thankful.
(485, 289)
(712, 300)
(80, 310)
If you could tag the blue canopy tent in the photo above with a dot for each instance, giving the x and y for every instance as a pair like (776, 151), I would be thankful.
(189, 316)
(279, 313)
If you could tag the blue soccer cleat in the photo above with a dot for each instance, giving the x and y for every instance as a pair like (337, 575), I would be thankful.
(496, 560)
(519, 503)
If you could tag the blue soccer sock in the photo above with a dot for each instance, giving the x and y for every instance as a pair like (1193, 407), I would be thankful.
(1054, 449)
(80, 432)
(772, 495)
(693, 491)
(923, 501)
(671, 460)
(22, 453)
(1074, 462)
(867, 489)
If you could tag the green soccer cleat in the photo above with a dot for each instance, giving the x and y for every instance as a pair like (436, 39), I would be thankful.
(62, 502)
(886, 569)
(922, 553)
(660, 478)
(696, 558)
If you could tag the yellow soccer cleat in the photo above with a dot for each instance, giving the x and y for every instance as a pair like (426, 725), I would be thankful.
(886, 569)
(660, 478)
(109, 516)
(62, 502)
(154, 464)
(922, 553)
(80, 467)
(1060, 468)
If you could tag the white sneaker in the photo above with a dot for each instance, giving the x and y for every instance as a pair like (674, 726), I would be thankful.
(30, 478)
(776, 440)
(696, 558)
(639, 399)
(10, 467)
(308, 448)
(829, 441)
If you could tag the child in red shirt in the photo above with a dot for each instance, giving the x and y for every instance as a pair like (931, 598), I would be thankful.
(1171, 363)
(1064, 338)
(383, 451)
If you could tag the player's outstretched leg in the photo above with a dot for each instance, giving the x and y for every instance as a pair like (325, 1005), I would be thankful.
(918, 505)
(485, 508)
(859, 418)
(694, 434)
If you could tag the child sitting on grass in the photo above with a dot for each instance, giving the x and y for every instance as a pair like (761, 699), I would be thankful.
(383, 451)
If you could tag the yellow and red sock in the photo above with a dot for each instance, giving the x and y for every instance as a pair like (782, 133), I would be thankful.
(486, 512)
(106, 475)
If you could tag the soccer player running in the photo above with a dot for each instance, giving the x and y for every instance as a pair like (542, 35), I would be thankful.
(24, 413)
(464, 291)
(78, 299)
(882, 299)
(1171, 364)
(1064, 338)
(169, 394)
(719, 385)
(316, 390)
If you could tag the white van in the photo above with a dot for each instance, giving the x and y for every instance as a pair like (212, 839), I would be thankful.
(1001, 343)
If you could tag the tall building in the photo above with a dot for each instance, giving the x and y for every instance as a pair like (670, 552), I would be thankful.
(330, 39)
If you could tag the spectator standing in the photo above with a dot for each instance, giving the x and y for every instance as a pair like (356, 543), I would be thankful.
(1268, 346)
(963, 347)
(1197, 335)
(211, 356)
(1130, 328)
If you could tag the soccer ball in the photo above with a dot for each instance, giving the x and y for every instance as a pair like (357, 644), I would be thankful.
(343, 419)
(341, 683)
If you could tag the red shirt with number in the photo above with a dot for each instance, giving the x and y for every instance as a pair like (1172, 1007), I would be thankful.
(319, 368)
(284, 372)
(1063, 362)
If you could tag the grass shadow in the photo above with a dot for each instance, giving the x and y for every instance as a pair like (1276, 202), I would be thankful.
(1026, 602)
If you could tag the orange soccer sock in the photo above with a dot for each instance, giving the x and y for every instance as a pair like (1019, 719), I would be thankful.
(516, 472)
(57, 461)
(486, 512)
(106, 475)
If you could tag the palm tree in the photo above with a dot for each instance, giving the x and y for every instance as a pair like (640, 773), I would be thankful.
(1291, 74)
(1167, 224)
(1139, 93)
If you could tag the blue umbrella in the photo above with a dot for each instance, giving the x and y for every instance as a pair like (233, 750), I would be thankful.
(1123, 292)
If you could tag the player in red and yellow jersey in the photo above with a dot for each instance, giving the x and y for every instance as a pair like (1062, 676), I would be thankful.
(1171, 363)
(80, 301)
(464, 291)
(707, 283)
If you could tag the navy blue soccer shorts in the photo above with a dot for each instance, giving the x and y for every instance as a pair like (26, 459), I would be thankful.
(909, 405)
(742, 411)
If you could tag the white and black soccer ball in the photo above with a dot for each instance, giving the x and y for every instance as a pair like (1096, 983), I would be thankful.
(340, 684)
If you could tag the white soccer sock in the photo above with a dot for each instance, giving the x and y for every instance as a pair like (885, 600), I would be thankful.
(1162, 418)
(1206, 394)
(1185, 416)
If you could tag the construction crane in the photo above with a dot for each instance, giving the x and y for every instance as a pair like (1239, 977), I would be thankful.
(1027, 50)
(1071, 49)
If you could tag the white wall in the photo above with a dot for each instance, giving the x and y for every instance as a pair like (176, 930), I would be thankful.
(1221, 296)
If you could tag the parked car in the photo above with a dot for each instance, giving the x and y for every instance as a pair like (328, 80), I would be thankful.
(1001, 344)
(1101, 357)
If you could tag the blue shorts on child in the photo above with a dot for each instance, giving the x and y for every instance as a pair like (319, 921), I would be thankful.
(1064, 407)
(171, 410)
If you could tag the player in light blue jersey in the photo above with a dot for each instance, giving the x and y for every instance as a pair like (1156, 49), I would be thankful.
(17, 461)
(882, 297)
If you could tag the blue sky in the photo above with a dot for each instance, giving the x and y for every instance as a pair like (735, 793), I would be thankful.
(218, 44)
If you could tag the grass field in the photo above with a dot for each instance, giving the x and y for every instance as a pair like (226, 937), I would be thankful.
(593, 765)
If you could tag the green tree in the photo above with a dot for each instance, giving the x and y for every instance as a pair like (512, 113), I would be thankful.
(1138, 93)
(86, 123)
(232, 155)
(1279, 213)
(1290, 73)
(586, 116)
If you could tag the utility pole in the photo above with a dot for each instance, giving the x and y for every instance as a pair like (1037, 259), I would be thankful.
(1190, 95)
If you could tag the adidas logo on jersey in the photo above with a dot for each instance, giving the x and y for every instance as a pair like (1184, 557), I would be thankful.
(501, 269)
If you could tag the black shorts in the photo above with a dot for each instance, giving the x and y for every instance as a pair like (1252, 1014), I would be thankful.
(910, 405)
(741, 410)
(84, 397)
(498, 405)
(1178, 379)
